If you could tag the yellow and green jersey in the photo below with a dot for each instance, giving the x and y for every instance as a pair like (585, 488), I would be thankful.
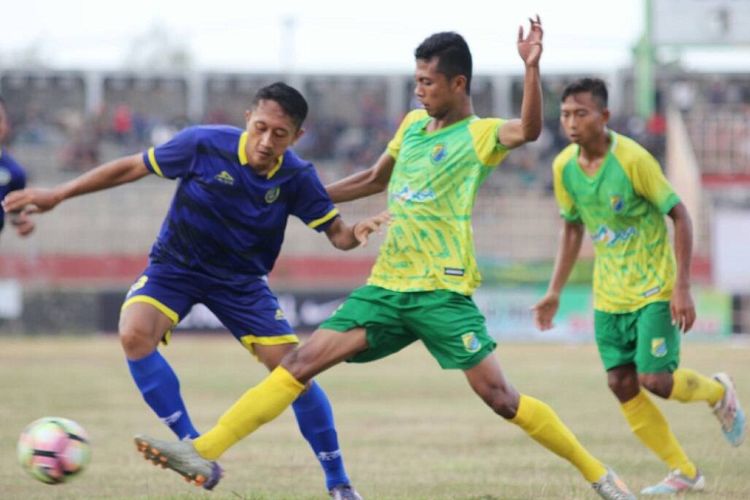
(623, 207)
(431, 195)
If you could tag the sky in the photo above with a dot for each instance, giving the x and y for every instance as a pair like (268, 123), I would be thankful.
(319, 35)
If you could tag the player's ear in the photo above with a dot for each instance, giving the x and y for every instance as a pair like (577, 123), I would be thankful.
(459, 83)
(605, 115)
(300, 132)
(248, 114)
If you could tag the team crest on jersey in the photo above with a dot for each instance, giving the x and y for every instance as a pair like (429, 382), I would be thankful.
(4, 176)
(659, 347)
(616, 202)
(272, 194)
(471, 342)
(225, 178)
(438, 153)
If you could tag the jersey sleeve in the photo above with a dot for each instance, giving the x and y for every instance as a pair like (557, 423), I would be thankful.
(565, 202)
(173, 159)
(484, 134)
(649, 181)
(394, 146)
(311, 203)
(18, 179)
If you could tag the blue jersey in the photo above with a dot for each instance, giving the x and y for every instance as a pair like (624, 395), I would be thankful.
(12, 177)
(225, 219)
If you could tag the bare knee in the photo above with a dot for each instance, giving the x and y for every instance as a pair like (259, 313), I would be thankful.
(502, 398)
(659, 384)
(298, 363)
(623, 382)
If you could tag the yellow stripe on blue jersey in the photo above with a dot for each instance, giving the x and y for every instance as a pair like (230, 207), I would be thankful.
(431, 195)
(317, 222)
(622, 207)
(154, 164)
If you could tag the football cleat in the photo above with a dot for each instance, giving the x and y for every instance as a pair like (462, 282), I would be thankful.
(181, 457)
(676, 482)
(729, 412)
(344, 492)
(611, 487)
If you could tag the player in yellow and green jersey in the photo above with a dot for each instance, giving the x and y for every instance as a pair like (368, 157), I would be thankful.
(422, 283)
(612, 188)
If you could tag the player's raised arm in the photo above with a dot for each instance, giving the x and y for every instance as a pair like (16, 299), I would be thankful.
(365, 183)
(110, 174)
(516, 132)
(345, 237)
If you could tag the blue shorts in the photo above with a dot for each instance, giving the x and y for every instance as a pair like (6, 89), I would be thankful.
(247, 309)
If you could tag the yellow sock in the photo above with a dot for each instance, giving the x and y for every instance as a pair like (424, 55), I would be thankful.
(259, 405)
(692, 386)
(545, 427)
(648, 423)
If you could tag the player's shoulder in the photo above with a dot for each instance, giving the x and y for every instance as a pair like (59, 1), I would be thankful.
(215, 132)
(414, 116)
(627, 150)
(565, 156)
(294, 166)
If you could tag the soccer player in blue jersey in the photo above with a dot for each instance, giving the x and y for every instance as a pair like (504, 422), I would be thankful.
(220, 239)
(421, 286)
(12, 178)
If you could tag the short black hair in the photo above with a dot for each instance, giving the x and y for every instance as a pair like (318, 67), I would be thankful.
(452, 51)
(289, 98)
(596, 86)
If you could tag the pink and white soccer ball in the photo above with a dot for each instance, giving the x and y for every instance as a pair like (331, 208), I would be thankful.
(53, 449)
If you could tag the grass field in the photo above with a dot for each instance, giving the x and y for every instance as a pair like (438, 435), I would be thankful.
(408, 429)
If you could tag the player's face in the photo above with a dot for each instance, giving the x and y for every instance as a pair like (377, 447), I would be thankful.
(582, 118)
(4, 125)
(270, 131)
(435, 91)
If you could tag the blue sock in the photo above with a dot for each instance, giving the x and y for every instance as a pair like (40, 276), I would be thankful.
(315, 420)
(161, 390)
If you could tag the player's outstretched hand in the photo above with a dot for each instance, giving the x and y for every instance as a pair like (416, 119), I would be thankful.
(545, 310)
(22, 221)
(682, 308)
(31, 200)
(530, 47)
(364, 228)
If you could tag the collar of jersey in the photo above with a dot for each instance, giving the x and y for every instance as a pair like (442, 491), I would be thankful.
(242, 156)
(449, 127)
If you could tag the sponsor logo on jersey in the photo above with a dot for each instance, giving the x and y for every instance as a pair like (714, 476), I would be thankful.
(438, 153)
(610, 237)
(279, 315)
(453, 271)
(471, 342)
(658, 347)
(225, 178)
(616, 202)
(652, 291)
(272, 194)
(406, 194)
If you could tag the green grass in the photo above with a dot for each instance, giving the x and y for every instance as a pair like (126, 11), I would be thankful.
(408, 429)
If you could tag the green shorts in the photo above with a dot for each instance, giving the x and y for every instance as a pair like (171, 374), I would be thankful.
(645, 337)
(449, 324)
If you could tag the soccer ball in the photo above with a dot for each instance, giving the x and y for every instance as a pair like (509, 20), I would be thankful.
(53, 449)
